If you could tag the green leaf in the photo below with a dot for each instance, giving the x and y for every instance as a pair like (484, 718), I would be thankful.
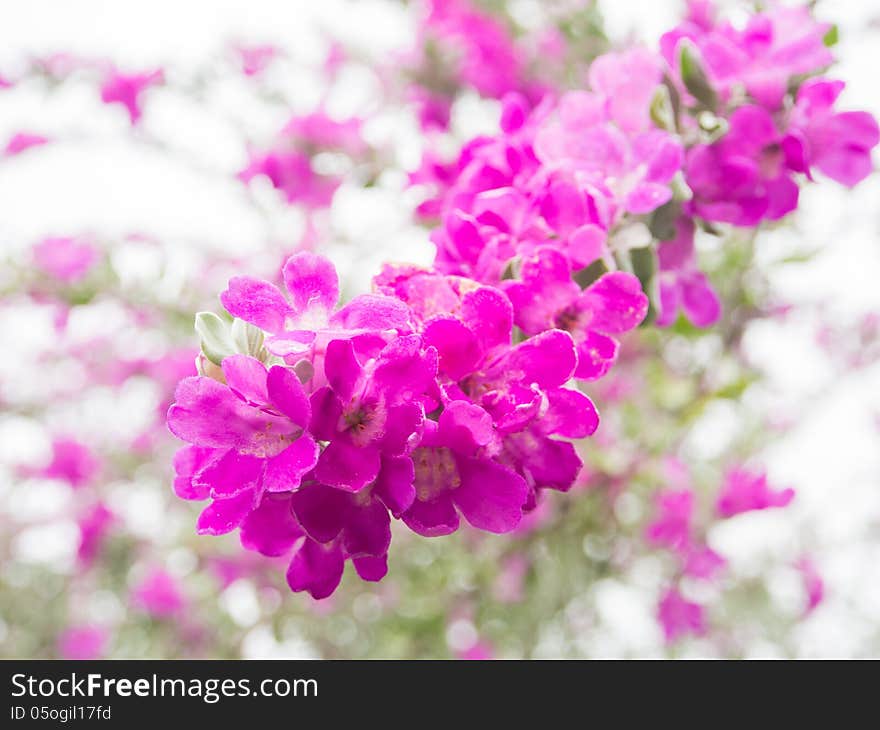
(644, 265)
(216, 341)
(662, 113)
(587, 276)
(247, 338)
(662, 221)
(694, 77)
(832, 36)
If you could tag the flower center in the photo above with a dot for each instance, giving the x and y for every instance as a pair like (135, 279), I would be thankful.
(436, 472)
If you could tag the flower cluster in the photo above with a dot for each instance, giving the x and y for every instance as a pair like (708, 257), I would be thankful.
(674, 529)
(722, 125)
(414, 402)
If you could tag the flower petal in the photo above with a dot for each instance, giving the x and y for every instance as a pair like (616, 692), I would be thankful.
(256, 301)
(315, 568)
(491, 496)
(347, 467)
(270, 529)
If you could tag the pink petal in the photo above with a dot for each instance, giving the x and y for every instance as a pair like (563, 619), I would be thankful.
(246, 376)
(347, 467)
(270, 529)
(457, 346)
(286, 393)
(394, 485)
(224, 515)
(256, 301)
(342, 368)
(285, 471)
(371, 568)
(596, 355)
(315, 568)
(491, 496)
(312, 282)
(232, 474)
(432, 518)
(570, 414)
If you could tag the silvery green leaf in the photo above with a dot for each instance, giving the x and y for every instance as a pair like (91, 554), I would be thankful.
(216, 341)
(247, 338)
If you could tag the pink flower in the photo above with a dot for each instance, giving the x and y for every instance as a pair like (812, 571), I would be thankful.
(159, 594)
(682, 285)
(306, 322)
(72, 462)
(773, 47)
(838, 144)
(814, 585)
(547, 297)
(747, 176)
(291, 173)
(248, 438)
(127, 89)
(83, 642)
(67, 259)
(744, 491)
(256, 59)
(288, 162)
(485, 55)
(22, 141)
(93, 528)
(680, 617)
(671, 527)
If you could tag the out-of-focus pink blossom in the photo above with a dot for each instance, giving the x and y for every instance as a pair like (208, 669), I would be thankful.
(128, 89)
(67, 259)
(159, 594)
(83, 642)
(256, 59)
(682, 285)
(21, 141)
(837, 144)
(680, 617)
(762, 57)
(71, 462)
(93, 528)
(814, 585)
(745, 490)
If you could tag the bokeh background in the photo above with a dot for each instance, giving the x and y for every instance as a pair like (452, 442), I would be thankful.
(163, 202)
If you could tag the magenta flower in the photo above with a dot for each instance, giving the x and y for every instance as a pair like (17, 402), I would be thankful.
(256, 59)
(546, 297)
(291, 173)
(838, 144)
(814, 585)
(69, 260)
(747, 176)
(671, 528)
(773, 47)
(341, 525)
(71, 462)
(288, 162)
(249, 437)
(93, 528)
(585, 137)
(22, 141)
(304, 325)
(682, 285)
(745, 491)
(367, 412)
(486, 57)
(83, 642)
(128, 89)
(455, 472)
(159, 594)
(680, 617)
